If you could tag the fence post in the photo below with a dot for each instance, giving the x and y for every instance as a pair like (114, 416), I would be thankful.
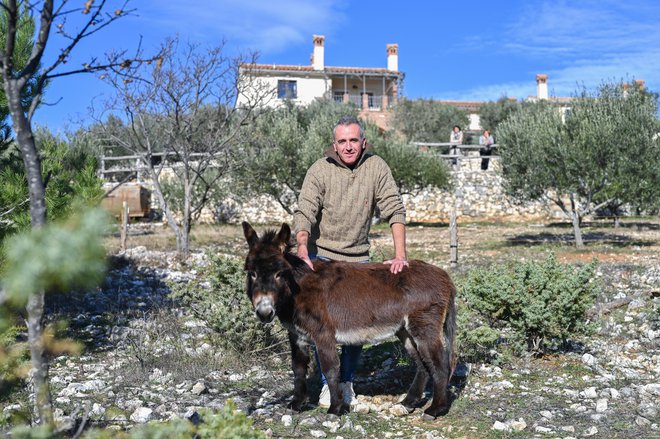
(453, 239)
(124, 225)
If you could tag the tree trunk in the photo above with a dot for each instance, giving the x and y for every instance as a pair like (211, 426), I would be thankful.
(577, 231)
(576, 219)
(42, 405)
(185, 227)
(165, 206)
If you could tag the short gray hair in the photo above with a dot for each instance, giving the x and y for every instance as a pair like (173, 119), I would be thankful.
(348, 120)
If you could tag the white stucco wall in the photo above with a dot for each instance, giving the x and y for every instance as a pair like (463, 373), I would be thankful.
(475, 121)
(308, 89)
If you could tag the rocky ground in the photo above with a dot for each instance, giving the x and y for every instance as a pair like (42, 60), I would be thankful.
(146, 358)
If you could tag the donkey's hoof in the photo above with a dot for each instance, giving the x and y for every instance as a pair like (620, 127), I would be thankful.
(411, 404)
(339, 409)
(432, 413)
(297, 405)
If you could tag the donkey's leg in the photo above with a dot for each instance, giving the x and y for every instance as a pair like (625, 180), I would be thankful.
(329, 360)
(430, 345)
(416, 390)
(299, 363)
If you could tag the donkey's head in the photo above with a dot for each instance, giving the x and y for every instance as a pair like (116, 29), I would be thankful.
(267, 270)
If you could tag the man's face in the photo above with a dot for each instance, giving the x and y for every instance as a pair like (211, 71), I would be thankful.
(348, 144)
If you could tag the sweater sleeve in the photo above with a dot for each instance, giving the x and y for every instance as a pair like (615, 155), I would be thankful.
(388, 198)
(309, 202)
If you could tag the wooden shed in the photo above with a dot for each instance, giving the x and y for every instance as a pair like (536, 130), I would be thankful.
(136, 195)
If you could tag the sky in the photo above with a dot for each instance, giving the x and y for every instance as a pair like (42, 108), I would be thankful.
(472, 50)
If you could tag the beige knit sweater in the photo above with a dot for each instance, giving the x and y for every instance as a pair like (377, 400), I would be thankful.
(336, 205)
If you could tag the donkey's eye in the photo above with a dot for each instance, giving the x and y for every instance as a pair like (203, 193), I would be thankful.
(278, 275)
(253, 275)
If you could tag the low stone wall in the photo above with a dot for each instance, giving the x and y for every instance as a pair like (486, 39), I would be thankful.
(478, 194)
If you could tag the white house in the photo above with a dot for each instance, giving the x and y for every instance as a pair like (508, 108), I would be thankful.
(374, 90)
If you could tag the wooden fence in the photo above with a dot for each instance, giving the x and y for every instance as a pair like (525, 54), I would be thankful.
(456, 153)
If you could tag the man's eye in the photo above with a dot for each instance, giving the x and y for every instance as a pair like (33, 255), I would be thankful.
(341, 142)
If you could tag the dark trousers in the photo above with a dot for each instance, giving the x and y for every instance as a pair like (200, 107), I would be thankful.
(485, 152)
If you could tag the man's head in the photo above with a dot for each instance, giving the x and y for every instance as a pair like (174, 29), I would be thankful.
(349, 141)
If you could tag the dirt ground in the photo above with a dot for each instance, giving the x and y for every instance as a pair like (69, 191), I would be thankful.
(546, 392)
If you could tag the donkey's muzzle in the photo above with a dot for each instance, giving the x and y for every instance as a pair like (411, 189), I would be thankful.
(265, 311)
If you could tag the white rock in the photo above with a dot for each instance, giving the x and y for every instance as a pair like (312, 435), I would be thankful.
(588, 359)
(546, 414)
(11, 408)
(500, 426)
(591, 431)
(568, 428)
(97, 410)
(651, 389)
(589, 393)
(642, 422)
(287, 420)
(318, 433)
(361, 408)
(518, 425)
(398, 410)
(141, 415)
(601, 405)
(541, 429)
(332, 426)
(199, 388)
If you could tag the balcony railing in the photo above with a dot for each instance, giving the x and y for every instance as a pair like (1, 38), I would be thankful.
(374, 102)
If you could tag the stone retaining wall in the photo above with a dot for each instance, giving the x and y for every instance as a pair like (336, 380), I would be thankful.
(478, 194)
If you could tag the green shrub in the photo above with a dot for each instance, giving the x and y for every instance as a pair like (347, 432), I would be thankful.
(220, 300)
(475, 339)
(543, 303)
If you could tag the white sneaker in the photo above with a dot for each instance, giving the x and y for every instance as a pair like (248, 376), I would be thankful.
(349, 393)
(324, 397)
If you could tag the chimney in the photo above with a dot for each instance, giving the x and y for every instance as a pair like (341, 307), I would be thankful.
(640, 83)
(393, 57)
(318, 62)
(542, 86)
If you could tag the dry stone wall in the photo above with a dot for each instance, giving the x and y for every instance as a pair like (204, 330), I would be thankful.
(477, 194)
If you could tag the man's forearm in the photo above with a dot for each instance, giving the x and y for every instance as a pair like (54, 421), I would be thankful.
(301, 240)
(399, 238)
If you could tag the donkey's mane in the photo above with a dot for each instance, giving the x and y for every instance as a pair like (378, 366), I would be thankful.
(299, 266)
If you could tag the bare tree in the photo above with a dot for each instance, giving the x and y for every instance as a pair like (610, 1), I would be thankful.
(16, 77)
(183, 124)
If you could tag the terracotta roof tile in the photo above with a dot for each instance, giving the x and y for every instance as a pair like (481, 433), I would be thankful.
(328, 69)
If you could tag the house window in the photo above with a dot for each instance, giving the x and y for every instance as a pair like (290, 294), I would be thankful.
(338, 96)
(287, 89)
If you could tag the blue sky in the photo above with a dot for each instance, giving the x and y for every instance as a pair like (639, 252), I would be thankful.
(468, 50)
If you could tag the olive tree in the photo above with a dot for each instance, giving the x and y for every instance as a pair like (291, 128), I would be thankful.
(426, 120)
(603, 150)
(492, 113)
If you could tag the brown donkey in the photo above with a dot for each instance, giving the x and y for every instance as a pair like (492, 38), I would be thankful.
(351, 303)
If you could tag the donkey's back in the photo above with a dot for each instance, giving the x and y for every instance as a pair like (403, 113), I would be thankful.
(366, 303)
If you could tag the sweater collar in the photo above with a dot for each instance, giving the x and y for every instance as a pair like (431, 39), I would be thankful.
(333, 156)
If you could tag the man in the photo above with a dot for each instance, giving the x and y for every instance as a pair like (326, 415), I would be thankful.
(335, 209)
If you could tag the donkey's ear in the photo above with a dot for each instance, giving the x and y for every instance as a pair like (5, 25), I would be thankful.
(250, 235)
(284, 235)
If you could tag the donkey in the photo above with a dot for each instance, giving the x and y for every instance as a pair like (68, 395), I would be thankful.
(351, 303)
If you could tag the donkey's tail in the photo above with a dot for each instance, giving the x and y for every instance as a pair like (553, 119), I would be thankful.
(450, 336)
